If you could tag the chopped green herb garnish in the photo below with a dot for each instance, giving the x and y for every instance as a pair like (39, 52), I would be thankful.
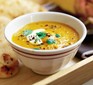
(27, 32)
(57, 35)
(50, 41)
(36, 48)
(41, 34)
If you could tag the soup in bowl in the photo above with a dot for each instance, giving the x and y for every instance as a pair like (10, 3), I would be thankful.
(45, 41)
(45, 35)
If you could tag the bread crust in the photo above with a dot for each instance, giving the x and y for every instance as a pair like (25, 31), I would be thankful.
(9, 67)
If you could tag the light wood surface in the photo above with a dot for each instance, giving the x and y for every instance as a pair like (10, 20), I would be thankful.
(73, 74)
(24, 77)
(76, 77)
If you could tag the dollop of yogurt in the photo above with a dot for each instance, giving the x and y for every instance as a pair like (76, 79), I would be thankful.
(34, 38)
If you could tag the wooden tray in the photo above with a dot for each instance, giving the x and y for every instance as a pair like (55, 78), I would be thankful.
(75, 73)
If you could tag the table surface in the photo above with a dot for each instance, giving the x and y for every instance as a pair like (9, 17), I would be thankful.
(26, 77)
(90, 82)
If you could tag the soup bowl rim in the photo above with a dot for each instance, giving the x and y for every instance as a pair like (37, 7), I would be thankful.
(32, 51)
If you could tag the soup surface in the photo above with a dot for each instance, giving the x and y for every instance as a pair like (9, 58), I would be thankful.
(45, 35)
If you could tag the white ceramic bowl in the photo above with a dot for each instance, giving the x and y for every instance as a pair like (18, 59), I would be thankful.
(45, 61)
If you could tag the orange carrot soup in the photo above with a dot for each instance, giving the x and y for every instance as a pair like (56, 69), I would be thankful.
(45, 35)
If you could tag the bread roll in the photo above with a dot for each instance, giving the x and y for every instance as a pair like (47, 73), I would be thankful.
(9, 66)
(9, 9)
(15, 8)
